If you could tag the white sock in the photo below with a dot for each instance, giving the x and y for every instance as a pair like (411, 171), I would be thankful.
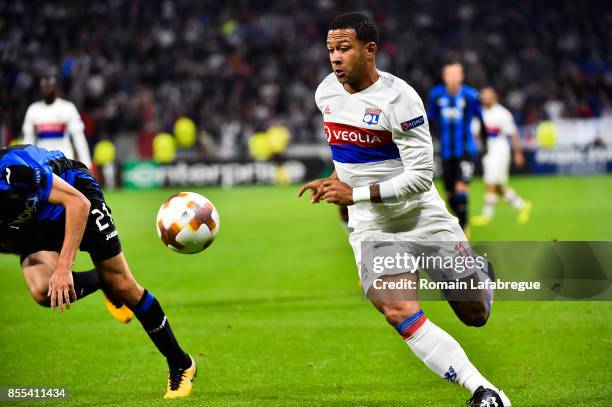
(488, 210)
(511, 197)
(441, 353)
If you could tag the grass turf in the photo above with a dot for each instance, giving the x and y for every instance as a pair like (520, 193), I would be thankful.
(272, 313)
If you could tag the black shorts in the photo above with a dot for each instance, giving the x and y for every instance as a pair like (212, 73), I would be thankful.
(457, 169)
(100, 238)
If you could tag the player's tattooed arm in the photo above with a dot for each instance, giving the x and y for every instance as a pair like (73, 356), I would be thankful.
(61, 285)
(375, 196)
(370, 193)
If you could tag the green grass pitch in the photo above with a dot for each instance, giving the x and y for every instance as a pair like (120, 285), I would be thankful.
(273, 314)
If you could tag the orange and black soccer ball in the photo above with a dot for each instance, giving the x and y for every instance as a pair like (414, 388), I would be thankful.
(187, 222)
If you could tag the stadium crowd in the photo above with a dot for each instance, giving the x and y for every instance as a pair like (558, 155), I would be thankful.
(133, 66)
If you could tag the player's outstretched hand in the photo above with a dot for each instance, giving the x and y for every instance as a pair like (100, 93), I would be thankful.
(337, 192)
(316, 187)
(61, 289)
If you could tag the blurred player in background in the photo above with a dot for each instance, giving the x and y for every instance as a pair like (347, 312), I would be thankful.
(377, 129)
(53, 206)
(452, 107)
(496, 163)
(54, 123)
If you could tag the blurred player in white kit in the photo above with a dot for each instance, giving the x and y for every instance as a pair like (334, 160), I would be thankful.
(54, 123)
(500, 127)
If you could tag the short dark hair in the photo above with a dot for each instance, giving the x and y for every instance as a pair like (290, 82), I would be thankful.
(451, 60)
(364, 26)
(48, 77)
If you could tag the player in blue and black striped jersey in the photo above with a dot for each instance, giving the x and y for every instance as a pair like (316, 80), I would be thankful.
(451, 109)
(52, 206)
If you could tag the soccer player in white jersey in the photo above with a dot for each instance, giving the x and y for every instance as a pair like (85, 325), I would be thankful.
(496, 163)
(54, 123)
(377, 128)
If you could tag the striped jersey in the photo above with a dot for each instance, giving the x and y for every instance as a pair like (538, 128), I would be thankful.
(452, 115)
(500, 126)
(379, 135)
(56, 126)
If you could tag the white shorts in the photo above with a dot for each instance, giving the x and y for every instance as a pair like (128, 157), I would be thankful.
(420, 234)
(496, 164)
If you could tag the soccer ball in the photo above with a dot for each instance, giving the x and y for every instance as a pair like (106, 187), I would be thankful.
(187, 222)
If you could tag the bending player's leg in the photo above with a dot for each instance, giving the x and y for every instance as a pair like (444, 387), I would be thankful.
(472, 306)
(436, 348)
(38, 268)
(118, 279)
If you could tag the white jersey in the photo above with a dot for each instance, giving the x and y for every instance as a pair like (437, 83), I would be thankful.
(51, 126)
(380, 135)
(500, 127)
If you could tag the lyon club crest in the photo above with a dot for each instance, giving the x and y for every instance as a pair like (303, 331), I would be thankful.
(371, 116)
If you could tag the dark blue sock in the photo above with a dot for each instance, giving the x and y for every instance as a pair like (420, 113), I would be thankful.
(154, 321)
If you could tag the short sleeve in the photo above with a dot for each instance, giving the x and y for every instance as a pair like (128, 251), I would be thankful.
(75, 123)
(29, 179)
(509, 125)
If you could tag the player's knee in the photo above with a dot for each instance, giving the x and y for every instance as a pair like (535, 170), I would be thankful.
(39, 294)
